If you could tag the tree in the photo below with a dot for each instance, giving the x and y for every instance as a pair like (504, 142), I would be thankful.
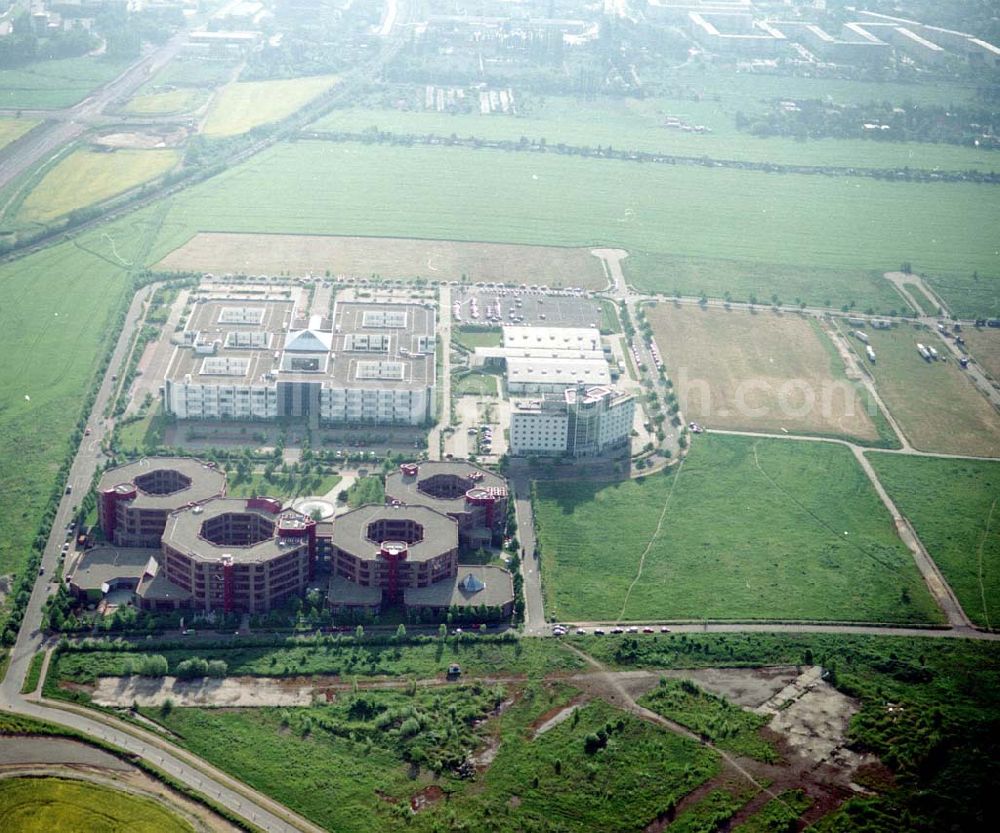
(359, 632)
(401, 631)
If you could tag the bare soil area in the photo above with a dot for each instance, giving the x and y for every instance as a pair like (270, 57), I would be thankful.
(122, 692)
(388, 257)
(759, 371)
(148, 140)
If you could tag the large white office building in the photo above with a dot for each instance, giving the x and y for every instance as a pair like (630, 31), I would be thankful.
(582, 422)
(246, 360)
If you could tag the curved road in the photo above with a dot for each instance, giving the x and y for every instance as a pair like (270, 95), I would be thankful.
(264, 812)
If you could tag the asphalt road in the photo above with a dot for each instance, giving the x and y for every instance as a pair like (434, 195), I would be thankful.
(262, 811)
(63, 126)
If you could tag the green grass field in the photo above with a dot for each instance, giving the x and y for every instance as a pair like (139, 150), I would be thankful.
(637, 124)
(475, 384)
(11, 129)
(86, 177)
(53, 84)
(531, 782)
(766, 529)
(831, 230)
(40, 805)
(283, 486)
(34, 673)
(936, 405)
(160, 103)
(248, 104)
(54, 326)
(952, 505)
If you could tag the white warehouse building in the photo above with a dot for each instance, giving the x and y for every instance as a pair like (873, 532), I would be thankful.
(583, 421)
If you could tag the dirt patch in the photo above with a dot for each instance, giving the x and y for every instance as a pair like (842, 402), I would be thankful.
(388, 257)
(746, 687)
(813, 717)
(426, 797)
(230, 692)
(147, 140)
(758, 371)
(556, 719)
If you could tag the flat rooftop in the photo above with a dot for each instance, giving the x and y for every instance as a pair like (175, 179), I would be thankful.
(549, 339)
(205, 481)
(407, 489)
(247, 341)
(155, 587)
(473, 586)
(344, 592)
(568, 371)
(440, 533)
(183, 531)
(102, 565)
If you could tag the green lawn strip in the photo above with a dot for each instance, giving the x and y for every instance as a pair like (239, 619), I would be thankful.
(754, 529)
(284, 486)
(712, 717)
(474, 384)
(472, 337)
(779, 815)
(926, 307)
(954, 506)
(34, 673)
(843, 227)
(339, 656)
(610, 323)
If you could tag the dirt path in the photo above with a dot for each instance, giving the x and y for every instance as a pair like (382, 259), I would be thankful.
(939, 589)
(653, 537)
(618, 695)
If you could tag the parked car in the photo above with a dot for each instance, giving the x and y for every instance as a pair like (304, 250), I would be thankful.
(664, 629)
(647, 630)
(618, 630)
(598, 632)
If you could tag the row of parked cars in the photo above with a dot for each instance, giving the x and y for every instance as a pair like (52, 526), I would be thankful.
(562, 630)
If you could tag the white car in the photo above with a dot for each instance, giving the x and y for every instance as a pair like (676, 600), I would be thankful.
(581, 631)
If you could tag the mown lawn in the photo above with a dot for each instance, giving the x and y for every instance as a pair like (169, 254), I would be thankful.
(753, 529)
(638, 124)
(55, 84)
(837, 230)
(953, 506)
(244, 105)
(12, 129)
(936, 405)
(86, 177)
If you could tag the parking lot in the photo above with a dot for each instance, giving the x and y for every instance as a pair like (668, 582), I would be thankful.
(525, 306)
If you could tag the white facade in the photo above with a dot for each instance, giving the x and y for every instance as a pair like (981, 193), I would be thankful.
(537, 431)
(400, 407)
(192, 400)
(582, 421)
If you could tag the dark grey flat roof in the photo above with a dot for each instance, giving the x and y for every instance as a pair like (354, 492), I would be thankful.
(350, 531)
(344, 592)
(104, 564)
(406, 489)
(183, 532)
(206, 481)
(497, 590)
